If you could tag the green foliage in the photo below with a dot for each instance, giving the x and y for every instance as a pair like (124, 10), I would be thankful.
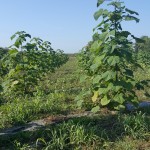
(3, 51)
(27, 62)
(3, 71)
(20, 112)
(108, 59)
(142, 51)
(54, 94)
(69, 136)
(102, 131)
(136, 125)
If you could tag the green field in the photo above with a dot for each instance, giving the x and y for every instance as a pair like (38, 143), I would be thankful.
(96, 99)
(56, 97)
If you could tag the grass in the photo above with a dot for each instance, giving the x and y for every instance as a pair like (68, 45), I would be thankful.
(120, 131)
(19, 112)
(56, 95)
(143, 75)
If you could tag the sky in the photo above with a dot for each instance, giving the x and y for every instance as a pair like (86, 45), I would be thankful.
(67, 24)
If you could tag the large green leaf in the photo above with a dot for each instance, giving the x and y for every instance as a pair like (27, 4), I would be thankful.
(14, 83)
(11, 73)
(119, 98)
(13, 52)
(95, 96)
(112, 33)
(109, 75)
(96, 46)
(131, 11)
(98, 14)
(103, 36)
(105, 101)
(103, 90)
(83, 78)
(99, 59)
(99, 2)
(130, 18)
(28, 35)
(113, 60)
(115, 4)
(94, 67)
(113, 87)
(13, 36)
(119, 107)
(95, 109)
(97, 79)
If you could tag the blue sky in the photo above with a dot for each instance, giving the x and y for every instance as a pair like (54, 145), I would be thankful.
(67, 24)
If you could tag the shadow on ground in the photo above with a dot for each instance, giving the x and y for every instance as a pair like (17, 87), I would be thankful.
(109, 127)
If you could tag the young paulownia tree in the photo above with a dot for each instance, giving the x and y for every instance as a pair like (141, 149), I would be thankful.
(27, 62)
(108, 59)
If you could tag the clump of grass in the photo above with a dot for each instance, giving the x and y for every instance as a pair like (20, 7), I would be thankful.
(136, 125)
(70, 136)
(127, 143)
(22, 111)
